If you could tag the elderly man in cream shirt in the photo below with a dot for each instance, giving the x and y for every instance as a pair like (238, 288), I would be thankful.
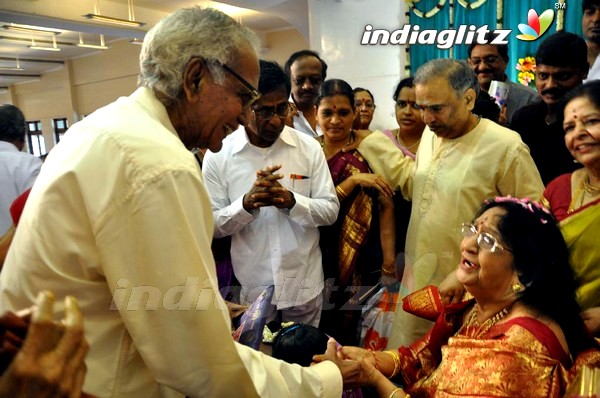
(120, 219)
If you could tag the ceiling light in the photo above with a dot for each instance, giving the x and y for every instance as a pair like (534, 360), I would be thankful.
(16, 67)
(53, 48)
(98, 47)
(32, 29)
(118, 21)
(44, 48)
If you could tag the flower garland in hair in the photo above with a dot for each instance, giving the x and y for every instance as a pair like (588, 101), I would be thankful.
(473, 5)
(526, 203)
(526, 67)
(428, 14)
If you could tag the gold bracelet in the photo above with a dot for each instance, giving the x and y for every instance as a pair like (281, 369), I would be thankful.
(395, 391)
(341, 192)
(396, 359)
(389, 271)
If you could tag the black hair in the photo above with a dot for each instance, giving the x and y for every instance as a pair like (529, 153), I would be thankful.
(12, 124)
(298, 343)
(563, 49)
(486, 107)
(489, 36)
(333, 87)
(589, 90)
(360, 89)
(301, 54)
(406, 82)
(541, 259)
(590, 5)
(272, 77)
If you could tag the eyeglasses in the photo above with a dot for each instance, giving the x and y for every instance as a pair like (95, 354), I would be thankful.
(368, 105)
(490, 59)
(484, 240)
(267, 113)
(254, 94)
(403, 104)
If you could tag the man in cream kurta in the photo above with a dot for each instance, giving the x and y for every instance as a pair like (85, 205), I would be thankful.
(450, 178)
(120, 219)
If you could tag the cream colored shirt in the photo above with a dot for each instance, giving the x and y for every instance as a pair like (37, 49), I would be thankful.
(447, 183)
(119, 218)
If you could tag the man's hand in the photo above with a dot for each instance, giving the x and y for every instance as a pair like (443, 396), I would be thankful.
(355, 373)
(267, 191)
(51, 361)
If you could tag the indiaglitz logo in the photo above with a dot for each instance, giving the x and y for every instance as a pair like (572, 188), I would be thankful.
(536, 26)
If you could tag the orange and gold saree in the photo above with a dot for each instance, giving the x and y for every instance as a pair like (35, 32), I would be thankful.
(519, 358)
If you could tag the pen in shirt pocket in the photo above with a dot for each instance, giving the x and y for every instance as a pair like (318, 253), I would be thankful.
(295, 177)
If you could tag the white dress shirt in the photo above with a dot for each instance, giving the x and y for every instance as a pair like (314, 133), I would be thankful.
(120, 219)
(273, 246)
(18, 171)
(302, 125)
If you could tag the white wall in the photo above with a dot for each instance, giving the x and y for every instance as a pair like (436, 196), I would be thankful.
(336, 29)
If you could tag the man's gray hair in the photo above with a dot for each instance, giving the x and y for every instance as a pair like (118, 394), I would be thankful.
(458, 73)
(187, 33)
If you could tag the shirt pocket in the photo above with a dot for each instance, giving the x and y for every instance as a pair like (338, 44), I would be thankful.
(299, 183)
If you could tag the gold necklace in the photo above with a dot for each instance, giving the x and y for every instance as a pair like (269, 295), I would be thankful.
(485, 326)
(351, 139)
(589, 188)
(409, 147)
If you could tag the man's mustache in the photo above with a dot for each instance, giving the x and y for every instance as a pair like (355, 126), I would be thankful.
(557, 92)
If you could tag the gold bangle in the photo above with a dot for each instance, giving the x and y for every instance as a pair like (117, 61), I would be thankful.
(396, 359)
(341, 192)
(395, 391)
(389, 271)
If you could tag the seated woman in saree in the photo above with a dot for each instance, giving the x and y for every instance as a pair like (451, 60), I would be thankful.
(359, 247)
(516, 336)
(574, 198)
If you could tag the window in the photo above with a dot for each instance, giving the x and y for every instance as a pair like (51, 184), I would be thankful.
(60, 128)
(35, 139)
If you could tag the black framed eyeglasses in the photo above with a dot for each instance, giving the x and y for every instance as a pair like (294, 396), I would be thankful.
(254, 94)
(266, 113)
(484, 240)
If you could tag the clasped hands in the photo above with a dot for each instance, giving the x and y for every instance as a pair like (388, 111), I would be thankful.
(357, 365)
(267, 191)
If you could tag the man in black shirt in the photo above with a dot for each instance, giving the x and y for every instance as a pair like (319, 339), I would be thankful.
(561, 65)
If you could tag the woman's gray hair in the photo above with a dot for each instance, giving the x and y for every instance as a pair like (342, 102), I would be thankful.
(458, 73)
(187, 33)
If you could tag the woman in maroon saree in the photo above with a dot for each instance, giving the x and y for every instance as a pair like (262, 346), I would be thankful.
(359, 247)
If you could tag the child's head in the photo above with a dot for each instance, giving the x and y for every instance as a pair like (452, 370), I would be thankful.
(298, 343)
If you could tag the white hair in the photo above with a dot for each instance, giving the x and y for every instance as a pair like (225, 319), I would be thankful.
(187, 33)
(459, 74)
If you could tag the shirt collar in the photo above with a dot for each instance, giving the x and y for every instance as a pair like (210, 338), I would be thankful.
(6, 146)
(240, 139)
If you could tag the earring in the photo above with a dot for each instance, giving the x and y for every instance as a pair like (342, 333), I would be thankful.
(517, 288)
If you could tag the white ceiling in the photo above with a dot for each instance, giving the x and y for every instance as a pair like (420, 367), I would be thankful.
(67, 17)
